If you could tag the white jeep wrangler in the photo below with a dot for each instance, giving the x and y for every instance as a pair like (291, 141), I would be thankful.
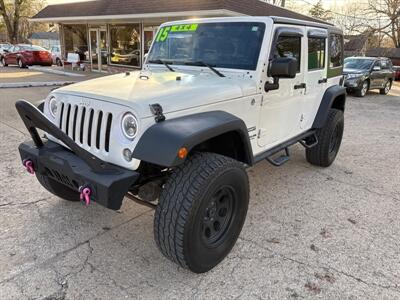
(215, 96)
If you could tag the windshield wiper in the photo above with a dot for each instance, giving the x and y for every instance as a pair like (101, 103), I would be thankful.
(160, 61)
(203, 64)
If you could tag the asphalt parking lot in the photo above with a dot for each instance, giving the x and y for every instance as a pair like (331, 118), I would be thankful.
(310, 233)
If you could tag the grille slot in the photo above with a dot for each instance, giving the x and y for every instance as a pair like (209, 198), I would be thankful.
(86, 126)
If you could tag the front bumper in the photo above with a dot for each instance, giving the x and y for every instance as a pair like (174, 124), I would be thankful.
(76, 168)
(353, 83)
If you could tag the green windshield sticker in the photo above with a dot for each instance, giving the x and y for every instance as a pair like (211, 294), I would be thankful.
(164, 32)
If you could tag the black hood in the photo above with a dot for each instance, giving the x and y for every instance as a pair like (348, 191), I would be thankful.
(354, 71)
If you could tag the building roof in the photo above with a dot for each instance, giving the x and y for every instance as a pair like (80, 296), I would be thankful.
(102, 8)
(384, 52)
(44, 36)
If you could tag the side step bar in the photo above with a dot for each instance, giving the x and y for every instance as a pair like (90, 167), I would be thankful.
(308, 140)
(279, 161)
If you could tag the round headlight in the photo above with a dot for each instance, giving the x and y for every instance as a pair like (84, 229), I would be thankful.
(53, 107)
(129, 125)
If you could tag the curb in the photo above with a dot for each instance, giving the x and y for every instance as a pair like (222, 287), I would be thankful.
(34, 84)
(56, 72)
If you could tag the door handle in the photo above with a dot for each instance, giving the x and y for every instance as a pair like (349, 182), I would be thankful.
(323, 80)
(300, 86)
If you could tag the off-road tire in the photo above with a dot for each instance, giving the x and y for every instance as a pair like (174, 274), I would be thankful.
(361, 92)
(179, 224)
(325, 152)
(386, 89)
(57, 188)
(3, 62)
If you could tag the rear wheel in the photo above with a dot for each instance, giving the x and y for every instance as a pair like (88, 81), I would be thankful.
(363, 90)
(386, 88)
(202, 210)
(329, 140)
(57, 188)
(59, 62)
(3, 62)
(21, 64)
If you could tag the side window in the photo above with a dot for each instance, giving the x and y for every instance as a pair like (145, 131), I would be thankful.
(335, 50)
(316, 53)
(384, 64)
(377, 64)
(289, 46)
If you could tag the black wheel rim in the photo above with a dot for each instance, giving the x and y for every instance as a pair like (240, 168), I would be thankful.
(334, 140)
(217, 216)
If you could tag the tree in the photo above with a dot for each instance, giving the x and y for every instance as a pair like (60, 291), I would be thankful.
(15, 16)
(317, 11)
(387, 19)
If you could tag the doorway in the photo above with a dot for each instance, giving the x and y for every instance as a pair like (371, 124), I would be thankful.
(98, 49)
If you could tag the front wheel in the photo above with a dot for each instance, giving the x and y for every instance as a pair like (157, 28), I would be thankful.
(3, 62)
(201, 211)
(386, 88)
(329, 140)
(361, 92)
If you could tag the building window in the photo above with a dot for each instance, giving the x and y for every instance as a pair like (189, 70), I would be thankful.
(125, 45)
(75, 40)
(336, 50)
(316, 53)
(289, 46)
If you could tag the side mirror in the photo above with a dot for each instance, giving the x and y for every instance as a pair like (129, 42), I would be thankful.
(6, 51)
(376, 68)
(281, 67)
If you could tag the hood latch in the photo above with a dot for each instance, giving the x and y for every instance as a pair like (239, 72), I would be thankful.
(157, 110)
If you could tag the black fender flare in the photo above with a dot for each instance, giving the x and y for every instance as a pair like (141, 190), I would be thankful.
(161, 142)
(330, 95)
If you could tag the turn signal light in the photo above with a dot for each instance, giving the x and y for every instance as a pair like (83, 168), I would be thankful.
(182, 153)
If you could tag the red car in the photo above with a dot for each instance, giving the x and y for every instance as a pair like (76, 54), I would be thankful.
(396, 70)
(26, 55)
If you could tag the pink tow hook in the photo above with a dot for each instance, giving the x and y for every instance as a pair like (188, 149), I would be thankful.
(85, 193)
(28, 164)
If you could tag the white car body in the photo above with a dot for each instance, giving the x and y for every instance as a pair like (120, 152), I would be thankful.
(271, 117)
(56, 54)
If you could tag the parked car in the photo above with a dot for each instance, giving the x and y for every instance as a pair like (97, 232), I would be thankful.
(366, 73)
(56, 55)
(214, 97)
(396, 70)
(4, 46)
(26, 55)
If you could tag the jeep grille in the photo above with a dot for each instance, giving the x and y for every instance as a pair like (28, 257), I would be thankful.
(86, 126)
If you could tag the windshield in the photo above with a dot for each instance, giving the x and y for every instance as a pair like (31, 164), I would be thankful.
(359, 64)
(234, 45)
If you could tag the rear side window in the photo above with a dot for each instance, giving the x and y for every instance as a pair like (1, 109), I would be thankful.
(316, 53)
(289, 46)
(335, 50)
